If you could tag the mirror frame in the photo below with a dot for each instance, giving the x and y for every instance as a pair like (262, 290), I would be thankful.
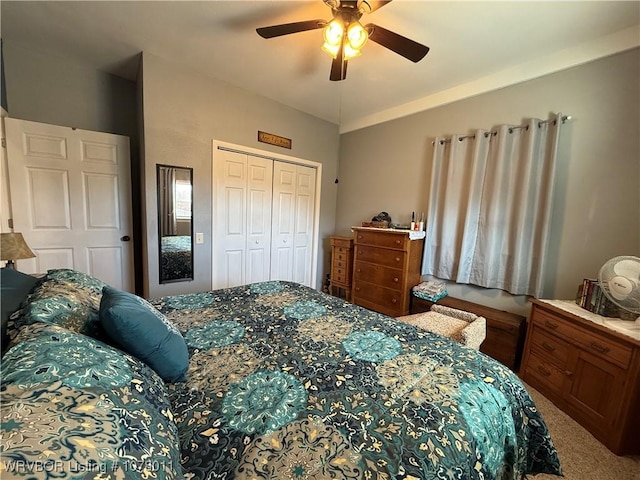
(185, 278)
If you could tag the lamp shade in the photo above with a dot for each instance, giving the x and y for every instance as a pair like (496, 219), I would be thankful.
(13, 247)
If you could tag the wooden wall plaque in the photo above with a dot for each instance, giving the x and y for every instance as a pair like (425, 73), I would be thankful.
(272, 139)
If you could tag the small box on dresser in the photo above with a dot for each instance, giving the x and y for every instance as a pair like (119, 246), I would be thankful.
(386, 265)
(588, 370)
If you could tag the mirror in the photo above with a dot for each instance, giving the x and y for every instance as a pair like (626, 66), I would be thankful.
(175, 223)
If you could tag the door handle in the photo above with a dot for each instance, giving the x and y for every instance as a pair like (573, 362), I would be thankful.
(126, 238)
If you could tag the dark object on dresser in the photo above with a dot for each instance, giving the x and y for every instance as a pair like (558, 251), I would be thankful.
(505, 330)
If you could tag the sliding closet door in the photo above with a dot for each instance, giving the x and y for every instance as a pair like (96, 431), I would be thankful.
(242, 219)
(293, 225)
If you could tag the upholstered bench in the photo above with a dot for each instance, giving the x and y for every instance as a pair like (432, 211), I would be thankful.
(464, 327)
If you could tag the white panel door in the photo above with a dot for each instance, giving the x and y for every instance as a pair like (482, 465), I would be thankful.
(284, 221)
(303, 232)
(293, 222)
(71, 199)
(259, 191)
(242, 219)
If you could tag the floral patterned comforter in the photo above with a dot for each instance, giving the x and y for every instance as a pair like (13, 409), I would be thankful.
(289, 383)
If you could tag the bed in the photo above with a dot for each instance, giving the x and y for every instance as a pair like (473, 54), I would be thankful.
(175, 255)
(285, 382)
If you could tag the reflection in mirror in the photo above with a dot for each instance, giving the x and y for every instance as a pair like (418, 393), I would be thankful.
(175, 223)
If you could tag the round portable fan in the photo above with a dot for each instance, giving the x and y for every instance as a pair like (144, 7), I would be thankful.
(619, 279)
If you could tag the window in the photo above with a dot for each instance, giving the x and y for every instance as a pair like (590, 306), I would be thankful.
(183, 199)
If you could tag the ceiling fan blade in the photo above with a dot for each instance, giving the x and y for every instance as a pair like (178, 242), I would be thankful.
(368, 6)
(338, 67)
(288, 28)
(404, 46)
(338, 70)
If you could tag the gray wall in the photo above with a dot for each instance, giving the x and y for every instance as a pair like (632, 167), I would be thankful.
(52, 89)
(183, 112)
(597, 195)
(180, 112)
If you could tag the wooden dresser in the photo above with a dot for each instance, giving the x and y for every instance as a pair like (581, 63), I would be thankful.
(341, 266)
(505, 330)
(386, 265)
(590, 371)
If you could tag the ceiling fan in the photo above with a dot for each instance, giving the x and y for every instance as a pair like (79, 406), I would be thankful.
(344, 36)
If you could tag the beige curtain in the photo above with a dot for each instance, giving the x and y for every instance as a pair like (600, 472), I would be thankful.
(490, 202)
(167, 201)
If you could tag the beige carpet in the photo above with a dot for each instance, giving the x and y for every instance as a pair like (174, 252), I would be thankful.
(582, 456)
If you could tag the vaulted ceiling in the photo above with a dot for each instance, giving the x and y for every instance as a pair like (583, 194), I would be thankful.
(476, 46)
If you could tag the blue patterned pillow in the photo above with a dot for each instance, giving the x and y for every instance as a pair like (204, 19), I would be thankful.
(73, 404)
(80, 279)
(141, 330)
(63, 297)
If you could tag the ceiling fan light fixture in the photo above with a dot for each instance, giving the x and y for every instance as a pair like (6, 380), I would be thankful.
(357, 36)
(332, 50)
(333, 33)
(344, 36)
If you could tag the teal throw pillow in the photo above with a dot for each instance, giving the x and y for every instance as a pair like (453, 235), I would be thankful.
(142, 331)
(14, 287)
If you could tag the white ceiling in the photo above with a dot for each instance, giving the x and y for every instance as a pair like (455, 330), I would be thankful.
(476, 46)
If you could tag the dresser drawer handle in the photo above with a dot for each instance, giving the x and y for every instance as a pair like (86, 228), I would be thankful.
(599, 348)
(568, 373)
(394, 300)
(359, 237)
(547, 347)
(543, 371)
(358, 270)
(360, 252)
(357, 289)
(396, 279)
(397, 242)
(397, 259)
(551, 325)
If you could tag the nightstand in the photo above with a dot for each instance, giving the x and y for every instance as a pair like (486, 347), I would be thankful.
(341, 266)
(587, 369)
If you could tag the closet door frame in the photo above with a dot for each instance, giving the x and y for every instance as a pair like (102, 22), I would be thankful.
(220, 145)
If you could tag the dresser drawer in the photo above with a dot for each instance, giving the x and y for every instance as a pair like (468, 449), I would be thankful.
(548, 374)
(380, 256)
(339, 277)
(378, 275)
(381, 239)
(339, 264)
(377, 295)
(596, 344)
(341, 253)
(343, 243)
(554, 349)
(340, 271)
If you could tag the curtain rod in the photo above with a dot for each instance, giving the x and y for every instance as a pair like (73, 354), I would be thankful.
(511, 129)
